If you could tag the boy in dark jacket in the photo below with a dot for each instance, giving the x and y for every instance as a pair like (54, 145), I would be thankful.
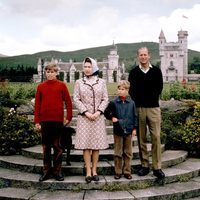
(122, 112)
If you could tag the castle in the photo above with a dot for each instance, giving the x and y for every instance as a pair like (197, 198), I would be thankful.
(174, 58)
(110, 69)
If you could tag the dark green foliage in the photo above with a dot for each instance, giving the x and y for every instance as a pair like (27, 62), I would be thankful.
(181, 129)
(190, 132)
(4, 98)
(181, 91)
(61, 76)
(16, 132)
(195, 65)
(171, 123)
(17, 74)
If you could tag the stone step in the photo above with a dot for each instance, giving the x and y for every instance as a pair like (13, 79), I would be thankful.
(77, 155)
(173, 191)
(180, 173)
(169, 158)
(36, 151)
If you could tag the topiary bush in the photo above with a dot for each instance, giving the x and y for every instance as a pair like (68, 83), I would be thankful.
(16, 132)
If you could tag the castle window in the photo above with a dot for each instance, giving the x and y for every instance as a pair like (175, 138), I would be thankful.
(171, 66)
(171, 55)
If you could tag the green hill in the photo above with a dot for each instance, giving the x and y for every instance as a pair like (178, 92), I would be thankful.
(126, 51)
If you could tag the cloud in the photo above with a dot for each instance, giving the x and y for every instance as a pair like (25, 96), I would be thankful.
(176, 22)
(29, 26)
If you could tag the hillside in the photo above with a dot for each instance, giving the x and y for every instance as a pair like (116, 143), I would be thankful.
(126, 51)
(1, 55)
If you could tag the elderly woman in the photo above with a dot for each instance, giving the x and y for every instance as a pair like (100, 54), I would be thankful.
(90, 98)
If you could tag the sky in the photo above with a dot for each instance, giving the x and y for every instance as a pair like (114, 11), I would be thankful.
(31, 26)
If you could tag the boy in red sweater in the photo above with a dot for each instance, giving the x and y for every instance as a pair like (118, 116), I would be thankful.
(49, 117)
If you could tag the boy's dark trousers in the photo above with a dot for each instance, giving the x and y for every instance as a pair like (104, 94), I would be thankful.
(123, 154)
(51, 134)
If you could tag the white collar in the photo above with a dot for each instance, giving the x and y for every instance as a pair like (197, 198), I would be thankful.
(145, 70)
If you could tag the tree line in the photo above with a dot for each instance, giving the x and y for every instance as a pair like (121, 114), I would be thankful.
(20, 73)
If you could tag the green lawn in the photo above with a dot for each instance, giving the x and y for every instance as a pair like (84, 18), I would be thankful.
(27, 90)
(112, 88)
(14, 87)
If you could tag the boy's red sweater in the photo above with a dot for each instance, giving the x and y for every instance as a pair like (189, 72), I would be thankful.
(49, 102)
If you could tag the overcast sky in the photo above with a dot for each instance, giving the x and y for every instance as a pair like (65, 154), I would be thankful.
(30, 26)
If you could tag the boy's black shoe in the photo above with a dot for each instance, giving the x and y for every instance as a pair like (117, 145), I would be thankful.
(143, 171)
(59, 177)
(44, 177)
(158, 173)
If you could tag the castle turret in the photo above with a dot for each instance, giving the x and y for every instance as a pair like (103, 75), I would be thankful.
(39, 66)
(183, 44)
(162, 42)
(72, 73)
(113, 62)
(113, 57)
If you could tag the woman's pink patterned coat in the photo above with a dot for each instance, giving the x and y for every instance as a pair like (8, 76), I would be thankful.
(90, 94)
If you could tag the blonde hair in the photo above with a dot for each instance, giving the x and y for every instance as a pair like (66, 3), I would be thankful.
(141, 48)
(123, 83)
(51, 66)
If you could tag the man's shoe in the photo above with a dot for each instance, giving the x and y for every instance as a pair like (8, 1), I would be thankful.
(158, 173)
(59, 177)
(128, 176)
(117, 176)
(44, 177)
(143, 171)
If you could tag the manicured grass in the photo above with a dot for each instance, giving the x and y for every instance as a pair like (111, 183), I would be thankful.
(112, 87)
(27, 90)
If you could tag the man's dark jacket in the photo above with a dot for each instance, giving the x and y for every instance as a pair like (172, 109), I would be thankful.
(145, 88)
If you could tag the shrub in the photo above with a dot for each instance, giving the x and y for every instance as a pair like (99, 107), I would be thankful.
(16, 132)
(180, 91)
(190, 132)
(171, 123)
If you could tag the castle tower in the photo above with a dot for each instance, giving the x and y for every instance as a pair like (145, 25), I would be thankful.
(183, 43)
(113, 62)
(162, 42)
(174, 57)
(39, 67)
